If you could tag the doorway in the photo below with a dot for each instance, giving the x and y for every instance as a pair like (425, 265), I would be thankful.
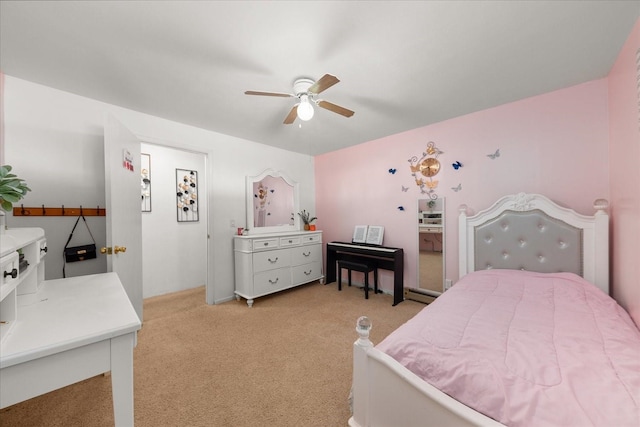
(175, 250)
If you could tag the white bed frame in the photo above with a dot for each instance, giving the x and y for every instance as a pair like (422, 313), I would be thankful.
(385, 393)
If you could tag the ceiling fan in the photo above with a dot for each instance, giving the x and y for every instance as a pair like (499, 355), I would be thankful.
(306, 90)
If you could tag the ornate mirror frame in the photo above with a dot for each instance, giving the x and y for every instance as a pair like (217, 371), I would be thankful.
(251, 209)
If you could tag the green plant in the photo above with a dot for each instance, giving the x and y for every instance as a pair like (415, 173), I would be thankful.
(306, 217)
(12, 188)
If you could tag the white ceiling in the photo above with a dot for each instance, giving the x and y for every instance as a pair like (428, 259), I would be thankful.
(402, 65)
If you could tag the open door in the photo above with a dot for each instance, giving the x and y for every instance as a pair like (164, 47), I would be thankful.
(123, 218)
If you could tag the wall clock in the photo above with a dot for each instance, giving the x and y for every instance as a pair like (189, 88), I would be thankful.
(424, 168)
(430, 166)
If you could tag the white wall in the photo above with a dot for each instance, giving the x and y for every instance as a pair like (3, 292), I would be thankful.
(54, 141)
(174, 253)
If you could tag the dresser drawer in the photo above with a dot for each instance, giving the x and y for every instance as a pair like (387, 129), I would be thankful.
(264, 244)
(311, 239)
(271, 281)
(8, 268)
(271, 260)
(306, 254)
(290, 241)
(306, 273)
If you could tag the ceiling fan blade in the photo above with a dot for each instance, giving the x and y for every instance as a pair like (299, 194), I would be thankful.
(291, 117)
(283, 95)
(335, 108)
(323, 84)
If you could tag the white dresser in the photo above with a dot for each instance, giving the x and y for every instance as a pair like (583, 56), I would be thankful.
(269, 263)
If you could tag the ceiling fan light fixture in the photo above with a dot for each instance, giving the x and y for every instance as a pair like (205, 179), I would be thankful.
(305, 109)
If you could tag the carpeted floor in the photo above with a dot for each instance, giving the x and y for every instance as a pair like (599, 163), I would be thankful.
(285, 362)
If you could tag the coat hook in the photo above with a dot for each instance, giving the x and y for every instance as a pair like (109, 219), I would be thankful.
(81, 214)
(62, 210)
(22, 211)
(44, 212)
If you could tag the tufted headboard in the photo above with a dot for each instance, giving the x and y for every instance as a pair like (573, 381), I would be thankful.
(530, 232)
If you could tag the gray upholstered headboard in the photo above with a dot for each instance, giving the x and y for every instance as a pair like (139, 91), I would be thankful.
(530, 240)
(530, 232)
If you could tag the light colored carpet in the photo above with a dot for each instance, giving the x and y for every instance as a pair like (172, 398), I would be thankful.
(285, 362)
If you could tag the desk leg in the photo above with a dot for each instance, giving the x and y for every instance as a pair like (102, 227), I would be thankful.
(122, 379)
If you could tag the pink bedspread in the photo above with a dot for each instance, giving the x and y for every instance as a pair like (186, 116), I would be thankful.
(527, 349)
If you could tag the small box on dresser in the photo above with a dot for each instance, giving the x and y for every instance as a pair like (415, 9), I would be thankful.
(270, 263)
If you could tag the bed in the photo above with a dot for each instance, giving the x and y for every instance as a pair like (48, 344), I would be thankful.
(528, 336)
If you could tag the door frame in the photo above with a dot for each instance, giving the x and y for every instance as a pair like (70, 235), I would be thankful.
(209, 291)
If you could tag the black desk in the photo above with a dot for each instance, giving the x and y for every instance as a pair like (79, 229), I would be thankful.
(383, 257)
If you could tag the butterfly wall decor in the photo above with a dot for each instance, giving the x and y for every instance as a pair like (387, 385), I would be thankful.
(458, 188)
(494, 155)
(457, 165)
(392, 171)
(404, 189)
(401, 208)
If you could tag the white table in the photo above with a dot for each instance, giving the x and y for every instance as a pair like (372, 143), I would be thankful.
(78, 328)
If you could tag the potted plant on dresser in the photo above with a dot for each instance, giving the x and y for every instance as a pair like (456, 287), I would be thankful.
(307, 219)
(12, 190)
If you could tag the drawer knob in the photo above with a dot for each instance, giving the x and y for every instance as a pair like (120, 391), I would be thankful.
(273, 282)
(45, 249)
(306, 254)
(13, 273)
(273, 261)
(266, 243)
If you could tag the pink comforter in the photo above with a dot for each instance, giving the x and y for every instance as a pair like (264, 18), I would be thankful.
(527, 349)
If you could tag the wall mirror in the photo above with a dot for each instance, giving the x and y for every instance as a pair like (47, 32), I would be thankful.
(431, 242)
(272, 203)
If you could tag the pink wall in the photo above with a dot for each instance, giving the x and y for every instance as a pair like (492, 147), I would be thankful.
(624, 134)
(554, 144)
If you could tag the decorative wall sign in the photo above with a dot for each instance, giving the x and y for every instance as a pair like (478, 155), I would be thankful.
(145, 181)
(127, 160)
(187, 194)
(424, 168)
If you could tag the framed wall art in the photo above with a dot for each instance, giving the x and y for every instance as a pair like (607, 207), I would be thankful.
(145, 181)
(187, 195)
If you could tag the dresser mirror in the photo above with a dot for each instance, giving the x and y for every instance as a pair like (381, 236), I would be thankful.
(431, 259)
(272, 203)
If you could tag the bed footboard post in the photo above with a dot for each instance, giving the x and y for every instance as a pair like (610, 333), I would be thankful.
(360, 386)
